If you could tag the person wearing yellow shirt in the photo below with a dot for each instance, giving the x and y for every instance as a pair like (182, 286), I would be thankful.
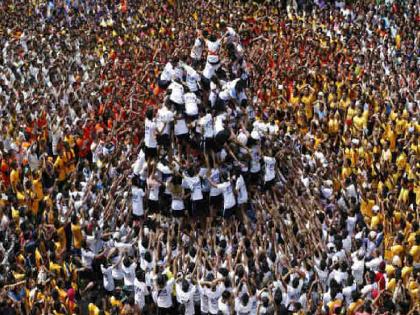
(60, 168)
(376, 219)
(407, 270)
(295, 97)
(344, 102)
(37, 186)
(333, 123)
(398, 249)
(357, 303)
(360, 120)
(70, 165)
(14, 175)
(366, 205)
(76, 231)
(411, 239)
(415, 250)
(308, 99)
(93, 309)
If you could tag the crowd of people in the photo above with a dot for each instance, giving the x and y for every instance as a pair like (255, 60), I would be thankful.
(209, 157)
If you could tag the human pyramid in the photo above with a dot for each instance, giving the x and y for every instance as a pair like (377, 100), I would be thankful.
(209, 157)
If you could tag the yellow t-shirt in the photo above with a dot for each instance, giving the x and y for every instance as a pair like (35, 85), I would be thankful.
(77, 236)
(59, 167)
(14, 178)
(415, 252)
(38, 189)
(366, 207)
(62, 237)
(374, 222)
(93, 309)
(353, 306)
(397, 250)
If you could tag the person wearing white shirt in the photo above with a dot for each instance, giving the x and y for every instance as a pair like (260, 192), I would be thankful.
(269, 171)
(162, 294)
(129, 273)
(87, 257)
(164, 119)
(192, 78)
(213, 295)
(176, 95)
(108, 280)
(167, 75)
(358, 268)
(229, 200)
(192, 181)
(150, 135)
(223, 303)
(185, 296)
(243, 305)
(191, 105)
(241, 191)
(137, 195)
(153, 185)
(197, 51)
(213, 46)
(140, 290)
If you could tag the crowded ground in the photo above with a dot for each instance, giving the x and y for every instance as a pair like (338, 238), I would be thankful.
(209, 157)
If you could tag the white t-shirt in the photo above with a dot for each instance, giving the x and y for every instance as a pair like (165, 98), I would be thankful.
(177, 204)
(197, 49)
(242, 191)
(191, 107)
(204, 299)
(163, 298)
(153, 189)
(109, 284)
(228, 195)
(87, 258)
(137, 200)
(224, 308)
(294, 293)
(219, 123)
(194, 184)
(186, 298)
(117, 273)
(140, 291)
(255, 160)
(192, 78)
(129, 274)
(213, 51)
(180, 127)
(177, 93)
(213, 297)
(206, 122)
(168, 72)
(215, 177)
(358, 269)
(164, 115)
(270, 171)
(150, 134)
(241, 309)
(210, 70)
(229, 91)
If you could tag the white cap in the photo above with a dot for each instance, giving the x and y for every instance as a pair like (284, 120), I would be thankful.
(355, 141)
(372, 234)
(375, 208)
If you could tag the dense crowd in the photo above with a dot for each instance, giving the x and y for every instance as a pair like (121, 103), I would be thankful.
(209, 157)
